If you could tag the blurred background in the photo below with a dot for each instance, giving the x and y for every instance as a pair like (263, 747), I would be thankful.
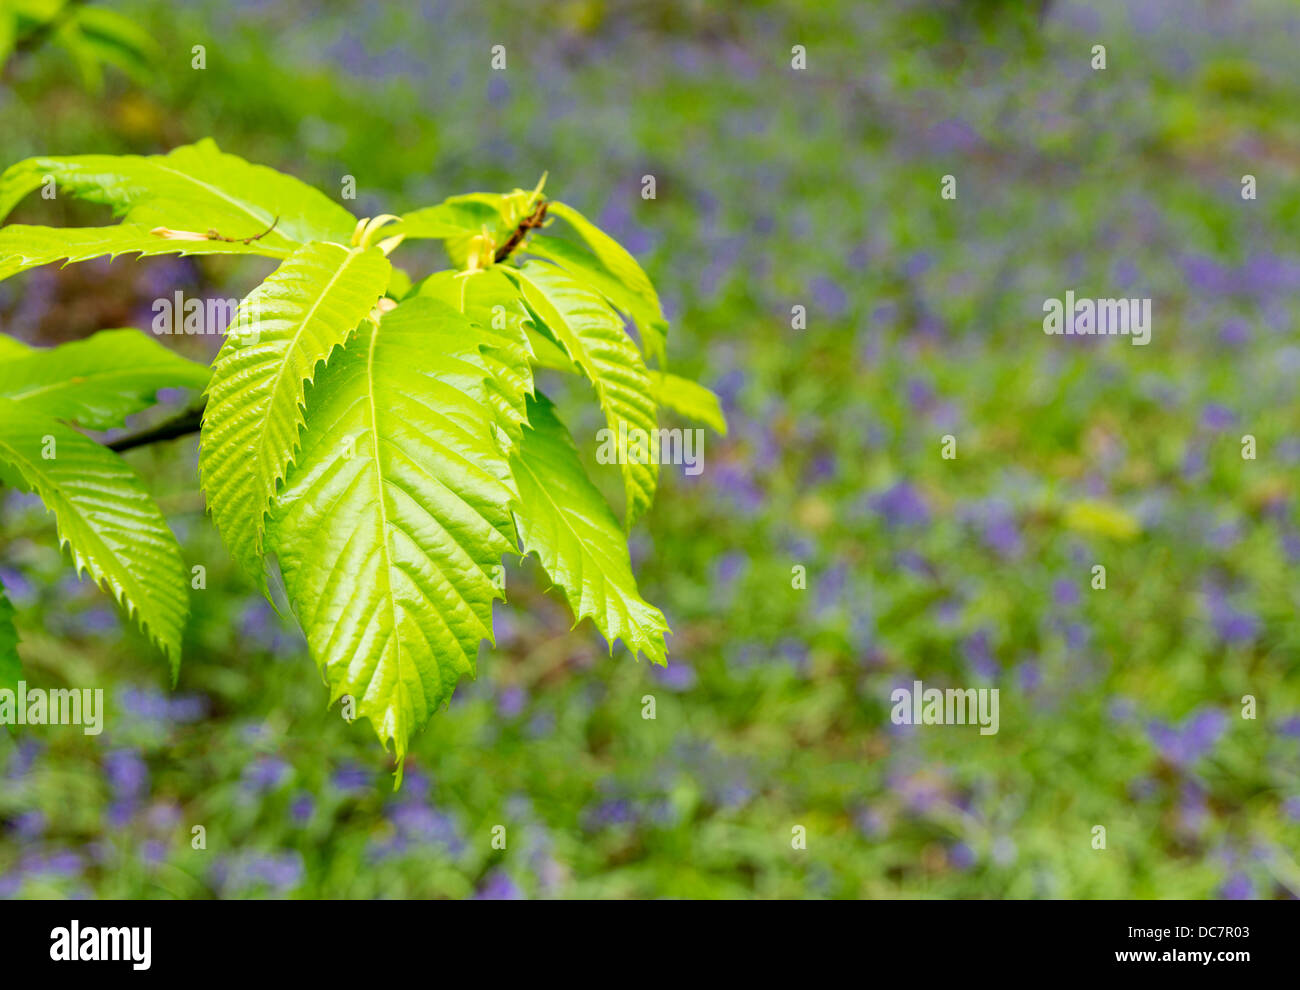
(775, 188)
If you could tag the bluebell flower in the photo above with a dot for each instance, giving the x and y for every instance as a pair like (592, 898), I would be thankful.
(1291, 808)
(1216, 417)
(1184, 745)
(1237, 887)
(902, 505)
(352, 778)
(677, 676)
(265, 774)
(1232, 625)
(961, 856)
(499, 887)
(512, 701)
(29, 825)
(978, 653)
(127, 774)
(1065, 592)
(302, 807)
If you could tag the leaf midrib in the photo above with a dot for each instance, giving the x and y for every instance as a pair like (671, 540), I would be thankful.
(382, 491)
(278, 378)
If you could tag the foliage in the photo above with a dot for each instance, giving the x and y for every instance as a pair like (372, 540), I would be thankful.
(383, 429)
(1119, 707)
(92, 36)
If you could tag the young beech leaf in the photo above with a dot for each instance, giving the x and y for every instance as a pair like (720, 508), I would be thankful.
(689, 399)
(394, 515)
(491, 302)
(286, 327)
(617, 273)
(23, 247)
(11, 348)
(115, 530)
(592, 334)
(564, 519)
(587, 268)
(196, 187)
(99, 381)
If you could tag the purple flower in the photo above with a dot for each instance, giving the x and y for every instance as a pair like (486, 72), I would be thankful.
(961, 856)
(1237, 888)
(1235, 333)
(63, 863)
(1216, 417)
(302, 808)
(1029, 676)
(351, 778)
(729, 567)
(997, 524)
(1065, 592)
(1183, 746)
(29, 825)
(512, 701)
(265, 774)
(869, 822)
(607, 813)
(952, 136)
(499, 887)
(127, 773)
(828, 297)
(979, 654)
(1233, 626)
(153, 851)
(1291, 808)
(498, 90)
(677, 676)
(901, 505)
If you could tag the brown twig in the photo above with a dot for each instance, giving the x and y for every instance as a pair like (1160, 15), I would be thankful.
(214, 236)
(530, 222)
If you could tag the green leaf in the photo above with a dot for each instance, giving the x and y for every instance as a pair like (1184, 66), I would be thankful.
(689, 399)
(11, 669)
(23, 247)
(613, 271)
(491, 301)
(99, 381)
(457, 216)
(104, 514)
(195, 187)
(587, 268)
(107, 36)
(592, 334)
(288, 325)
(11, 348)
(563, 518)
(395, 515)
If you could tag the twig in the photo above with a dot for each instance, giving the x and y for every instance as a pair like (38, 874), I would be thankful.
(530, 222)
(214, 236)
(187, 422)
